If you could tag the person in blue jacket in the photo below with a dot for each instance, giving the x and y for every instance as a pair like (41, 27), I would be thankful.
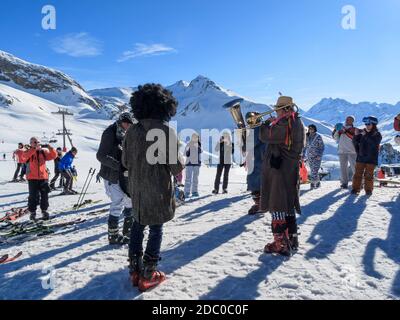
(254, 149)
(66, 169)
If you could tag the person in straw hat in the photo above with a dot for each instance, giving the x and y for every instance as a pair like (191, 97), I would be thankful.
(285, 137)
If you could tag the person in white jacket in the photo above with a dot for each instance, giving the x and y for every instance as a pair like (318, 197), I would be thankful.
(344, 134)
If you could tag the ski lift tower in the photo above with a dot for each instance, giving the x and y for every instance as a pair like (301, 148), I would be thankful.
(64, 132)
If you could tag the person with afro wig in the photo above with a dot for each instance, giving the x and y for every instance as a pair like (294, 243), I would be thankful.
(150, 153)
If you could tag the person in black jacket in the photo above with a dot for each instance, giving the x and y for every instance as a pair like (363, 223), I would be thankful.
(57, 172)
(115, 179)
(226, 149)
(367, 143)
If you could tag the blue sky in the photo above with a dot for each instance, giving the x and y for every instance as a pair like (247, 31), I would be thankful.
(256, 48)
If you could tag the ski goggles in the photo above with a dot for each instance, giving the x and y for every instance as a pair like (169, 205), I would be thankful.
(369, 121)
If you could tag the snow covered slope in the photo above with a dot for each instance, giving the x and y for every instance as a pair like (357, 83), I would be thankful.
(44, 82)
(29, 115)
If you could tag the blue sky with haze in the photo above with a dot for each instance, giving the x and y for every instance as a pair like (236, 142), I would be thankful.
(255, 48)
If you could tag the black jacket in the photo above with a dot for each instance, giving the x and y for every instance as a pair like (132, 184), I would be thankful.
(109, 155)
(193, 160)
(225, 153)
(367, 147)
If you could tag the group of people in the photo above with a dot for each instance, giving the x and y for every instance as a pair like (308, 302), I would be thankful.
(31, 162)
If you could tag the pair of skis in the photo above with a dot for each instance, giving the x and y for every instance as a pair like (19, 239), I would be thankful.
(6, 258)
(14, 214)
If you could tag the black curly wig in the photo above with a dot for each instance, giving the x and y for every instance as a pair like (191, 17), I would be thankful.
(153, 101)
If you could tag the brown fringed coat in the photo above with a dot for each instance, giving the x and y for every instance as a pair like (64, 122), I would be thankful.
(280, 187)
(151, 185)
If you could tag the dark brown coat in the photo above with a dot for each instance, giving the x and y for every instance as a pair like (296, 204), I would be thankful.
(280, 187)
(150, 185)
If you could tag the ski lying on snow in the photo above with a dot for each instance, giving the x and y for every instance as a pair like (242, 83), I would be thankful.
(11, 259)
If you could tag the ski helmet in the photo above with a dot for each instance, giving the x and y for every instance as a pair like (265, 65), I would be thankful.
(371, 120)
(125, 117)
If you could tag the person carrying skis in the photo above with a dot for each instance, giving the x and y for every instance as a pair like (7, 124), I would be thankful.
(313, 153)
(226, 149)
(151, 178)
(57, 172)
(115, 180)
(367, 144)
(65, 166)
(193, 152)
(285, 137)
(19, 171)
(254, 157)
(347, 154)
(38, 176)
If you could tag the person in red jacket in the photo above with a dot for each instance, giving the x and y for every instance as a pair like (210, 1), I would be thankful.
(397, 123)
(38, 176)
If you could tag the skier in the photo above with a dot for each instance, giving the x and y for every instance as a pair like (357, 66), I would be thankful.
(193, 152)
(150, 179)
(347, 154)
(226, 149)
(65, 166)
(115, 180)
(367, 144)
(280, 178)
(57, 172)
(397, 123)
(4, 156)
(20, 165)
(254, 155)
(313, 153)
(38, 176)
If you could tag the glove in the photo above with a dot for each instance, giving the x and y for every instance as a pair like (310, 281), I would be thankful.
(276, 162)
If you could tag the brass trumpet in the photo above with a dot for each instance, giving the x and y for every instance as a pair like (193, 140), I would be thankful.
(252, 121)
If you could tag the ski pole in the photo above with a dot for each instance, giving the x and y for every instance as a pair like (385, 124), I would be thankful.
(84, 185)
(87, 187)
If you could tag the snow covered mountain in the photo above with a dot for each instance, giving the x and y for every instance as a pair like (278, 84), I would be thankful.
(44, 82)
(334, 111)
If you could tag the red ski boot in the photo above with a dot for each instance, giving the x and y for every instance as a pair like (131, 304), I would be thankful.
(281, 243)
(135, 269)
(150, 277)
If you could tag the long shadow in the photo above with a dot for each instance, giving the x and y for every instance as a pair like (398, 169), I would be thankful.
(13, 195)
(391, 246)
(320, 205)
(192, 200)
(236, 288)
(246, 288)
(212, 207)
(191, 250)
(111, 286)
(28, 285)
(328, 233)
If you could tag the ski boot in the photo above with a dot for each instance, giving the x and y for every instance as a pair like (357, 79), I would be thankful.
(135, 268)
(32, 216)
(187, 195)
(368, 193)
(344, 186)
(281, 243)
(45, 216)
(126, 229)
(225, 191)
(293, 232)
(256, 207)
(195, 195)
(114, 238)
(355, 192)
(215, 192)
(150, 276)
